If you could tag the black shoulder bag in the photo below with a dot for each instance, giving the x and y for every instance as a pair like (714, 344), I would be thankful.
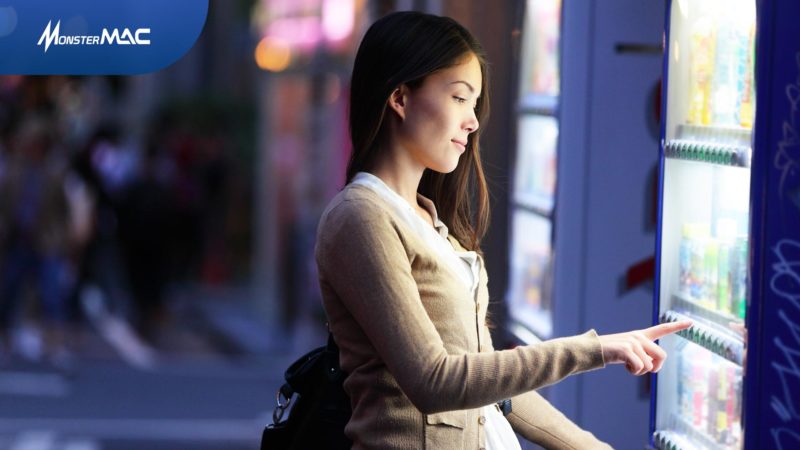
(320, 408)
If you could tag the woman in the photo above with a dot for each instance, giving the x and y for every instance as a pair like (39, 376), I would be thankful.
(401, 271)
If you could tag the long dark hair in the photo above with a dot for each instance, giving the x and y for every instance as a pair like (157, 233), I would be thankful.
(404, 48)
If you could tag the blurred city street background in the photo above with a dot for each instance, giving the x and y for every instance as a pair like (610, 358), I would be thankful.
(206, 381)
(156, 233)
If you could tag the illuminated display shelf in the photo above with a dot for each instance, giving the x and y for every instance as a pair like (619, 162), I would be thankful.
(714, 153)
(709, 336)
(537, 204)
(693, 308)
(682, 437)
(546, 105)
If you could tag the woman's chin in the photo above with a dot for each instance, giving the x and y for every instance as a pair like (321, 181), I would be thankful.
(446, 166)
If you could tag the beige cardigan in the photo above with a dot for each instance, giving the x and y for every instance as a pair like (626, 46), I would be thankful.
(416, 346)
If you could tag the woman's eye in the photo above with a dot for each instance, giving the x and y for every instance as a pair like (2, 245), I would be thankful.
(460, 100)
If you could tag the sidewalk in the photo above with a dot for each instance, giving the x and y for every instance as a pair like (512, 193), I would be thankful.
(209, 384)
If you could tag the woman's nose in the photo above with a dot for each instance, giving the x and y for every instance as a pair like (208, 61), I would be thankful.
(472, 124)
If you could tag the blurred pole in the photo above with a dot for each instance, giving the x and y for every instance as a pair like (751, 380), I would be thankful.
(265, 270)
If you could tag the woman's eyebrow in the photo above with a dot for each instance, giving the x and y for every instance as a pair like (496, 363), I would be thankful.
(471, 89)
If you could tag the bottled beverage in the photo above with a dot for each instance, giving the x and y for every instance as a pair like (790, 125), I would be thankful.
(710, 273)
(728, 415)
(736, 396)
(722, 424)
(746, 89)
(700, 236)
(725, 95)
(726, 238)
(714, 385)
(701, 366)
(724, 277)
(739, 277)
(701, 66)
(683, 391)
(685, 260)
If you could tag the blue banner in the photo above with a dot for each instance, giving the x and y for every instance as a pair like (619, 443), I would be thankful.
(96, 37)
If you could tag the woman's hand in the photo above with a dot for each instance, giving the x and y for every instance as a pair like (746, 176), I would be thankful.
(637, 350)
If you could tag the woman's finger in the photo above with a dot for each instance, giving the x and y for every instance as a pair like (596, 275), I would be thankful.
(646, 361)
(661, 330)
(656, 353)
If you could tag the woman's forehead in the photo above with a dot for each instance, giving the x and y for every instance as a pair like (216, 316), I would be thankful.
(466, 74)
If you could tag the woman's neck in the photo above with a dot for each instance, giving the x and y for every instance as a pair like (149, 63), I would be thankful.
(402, 175)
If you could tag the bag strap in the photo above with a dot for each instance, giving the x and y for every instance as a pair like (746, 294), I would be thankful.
(332, 369)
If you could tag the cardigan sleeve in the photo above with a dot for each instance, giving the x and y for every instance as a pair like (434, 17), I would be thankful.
(533, 417)
(361, 256)
(538, 421)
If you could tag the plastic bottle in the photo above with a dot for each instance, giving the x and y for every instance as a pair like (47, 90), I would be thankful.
(747, 89)
(739, 277)
(737, 393)
(711, 273)
(728, 399)
(714, 385)
(683, 388)
(701, 67)
(700, 370)
(687, 383)
(697, 273)
(726, 238)
(730, 402)
(685, 260)
(725, 95)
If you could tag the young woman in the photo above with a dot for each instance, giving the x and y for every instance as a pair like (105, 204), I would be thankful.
(401, 271)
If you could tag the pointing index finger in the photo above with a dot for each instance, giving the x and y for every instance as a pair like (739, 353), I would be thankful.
(658, 331)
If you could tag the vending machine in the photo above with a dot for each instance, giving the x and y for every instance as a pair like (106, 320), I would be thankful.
(728, 246)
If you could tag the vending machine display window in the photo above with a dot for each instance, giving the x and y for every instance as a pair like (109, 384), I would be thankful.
(704, 226)
(534, 185)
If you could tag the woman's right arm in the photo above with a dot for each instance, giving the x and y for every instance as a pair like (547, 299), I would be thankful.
(361, 256)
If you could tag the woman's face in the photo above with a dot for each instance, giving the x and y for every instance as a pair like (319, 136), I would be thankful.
(440, 116)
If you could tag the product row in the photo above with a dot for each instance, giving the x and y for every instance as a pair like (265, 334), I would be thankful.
(713, 268)
(710, 395)
(736, 136)
(670, 440)
(710, 337)
(721, 68)
(673, 440)
(725, 154)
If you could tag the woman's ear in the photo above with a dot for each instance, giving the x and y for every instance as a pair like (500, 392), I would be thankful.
(397, 100)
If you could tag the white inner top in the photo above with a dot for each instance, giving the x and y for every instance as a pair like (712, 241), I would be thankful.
(499, 435)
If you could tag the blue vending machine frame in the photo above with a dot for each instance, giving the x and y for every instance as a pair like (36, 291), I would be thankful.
(660, 209)
(772, 378)
(771, 397)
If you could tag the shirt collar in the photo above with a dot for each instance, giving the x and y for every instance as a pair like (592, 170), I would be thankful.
(369, 180)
